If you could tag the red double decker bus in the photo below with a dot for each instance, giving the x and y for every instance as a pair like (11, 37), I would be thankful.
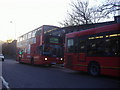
(39, 47)
(95, 50)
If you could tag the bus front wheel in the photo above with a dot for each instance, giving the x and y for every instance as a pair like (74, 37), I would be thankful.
(94, 69)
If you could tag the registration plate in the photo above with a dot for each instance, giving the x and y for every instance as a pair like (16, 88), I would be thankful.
(53, 63)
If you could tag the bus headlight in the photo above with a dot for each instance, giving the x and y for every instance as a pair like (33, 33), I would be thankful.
(61, 59)
(46, 59)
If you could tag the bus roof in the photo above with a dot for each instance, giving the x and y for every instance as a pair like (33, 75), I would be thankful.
(37, 29)
(101, 29)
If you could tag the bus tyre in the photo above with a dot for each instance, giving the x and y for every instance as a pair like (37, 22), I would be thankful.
(19, 60)
(32, 61)
(94, 69)
(2, 59)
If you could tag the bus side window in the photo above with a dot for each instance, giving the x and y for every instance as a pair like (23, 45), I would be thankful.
(39, 49)
(118, 46)
(82, 45)
(70, 45)
(96, 45)
(91, 48)
(112, 46)
(100, 47)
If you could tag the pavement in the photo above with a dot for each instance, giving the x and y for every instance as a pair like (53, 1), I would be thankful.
(0, 74)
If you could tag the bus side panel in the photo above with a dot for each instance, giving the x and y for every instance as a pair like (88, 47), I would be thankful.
(37, 59)
(25, 58)
(72, 62)
(111, 72)
(107, 66)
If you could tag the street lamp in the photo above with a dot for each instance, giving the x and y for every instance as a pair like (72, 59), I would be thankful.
(14, 29)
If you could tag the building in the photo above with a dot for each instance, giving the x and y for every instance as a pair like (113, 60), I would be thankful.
(9, 49)
(64, 30)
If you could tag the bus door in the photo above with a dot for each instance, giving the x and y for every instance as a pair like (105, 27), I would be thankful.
(70, 54)
(81, 49)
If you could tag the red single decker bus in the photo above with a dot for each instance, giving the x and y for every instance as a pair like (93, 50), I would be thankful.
(95, 50)
(38, 47)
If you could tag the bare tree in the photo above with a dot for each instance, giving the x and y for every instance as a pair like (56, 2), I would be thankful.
(81, 13)
(110, 8)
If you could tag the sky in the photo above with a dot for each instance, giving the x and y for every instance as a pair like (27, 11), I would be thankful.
(18, 17)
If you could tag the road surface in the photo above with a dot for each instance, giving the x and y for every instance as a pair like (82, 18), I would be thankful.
(28, 76)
